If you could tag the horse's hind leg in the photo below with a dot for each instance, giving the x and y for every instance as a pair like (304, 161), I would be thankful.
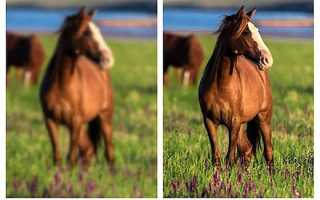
(106, 127)
(265, 126)
(27, 76)
(211, 128)
(34, 72)
(53, 131)
(186, 76)
(7, 73)
(244, 145)
(165, 74)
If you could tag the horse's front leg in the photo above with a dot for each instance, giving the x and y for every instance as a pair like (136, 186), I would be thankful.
(211, 128)
(233, 141)
(75, 131)
(53, 131)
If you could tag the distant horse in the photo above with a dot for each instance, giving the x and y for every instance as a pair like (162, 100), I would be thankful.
(235, 89)
(76, 90)
(25, 53)
(184, 52)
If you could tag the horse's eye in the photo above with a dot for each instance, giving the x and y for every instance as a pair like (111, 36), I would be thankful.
(246, 32)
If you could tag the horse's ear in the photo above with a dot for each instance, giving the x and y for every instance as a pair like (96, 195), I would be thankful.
(240, 11)
(82, 11)
(252, 13)
(92, 13)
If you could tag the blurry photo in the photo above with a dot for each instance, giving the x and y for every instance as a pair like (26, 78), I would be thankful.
(81, 93)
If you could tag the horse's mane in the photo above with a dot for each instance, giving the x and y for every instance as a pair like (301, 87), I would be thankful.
(52, 70)
(227, 32)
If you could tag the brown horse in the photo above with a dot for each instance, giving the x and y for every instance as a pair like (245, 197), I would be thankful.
(235, 89)
(76, 90)
(25, 53)
(182, 52)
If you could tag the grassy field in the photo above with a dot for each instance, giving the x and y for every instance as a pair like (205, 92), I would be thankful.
(188, 171)
(30, 171)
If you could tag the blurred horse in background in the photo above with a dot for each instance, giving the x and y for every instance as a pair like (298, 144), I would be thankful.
(76, 90)
(182, 52)
(25, 53)
(235, 89)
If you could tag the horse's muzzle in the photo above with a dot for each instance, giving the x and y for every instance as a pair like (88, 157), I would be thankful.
(265, 61)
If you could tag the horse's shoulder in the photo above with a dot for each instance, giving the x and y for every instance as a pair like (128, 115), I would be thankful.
(244, 64)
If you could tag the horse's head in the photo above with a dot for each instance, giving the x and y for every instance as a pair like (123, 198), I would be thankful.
(82, 37)
(242, 37)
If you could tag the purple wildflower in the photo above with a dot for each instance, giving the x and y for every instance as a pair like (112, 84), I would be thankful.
(91, 186)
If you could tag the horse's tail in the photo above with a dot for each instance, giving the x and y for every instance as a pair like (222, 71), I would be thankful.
(254, 135)
(94, 130)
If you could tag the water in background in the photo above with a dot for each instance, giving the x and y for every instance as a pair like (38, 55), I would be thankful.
(49, 20)
(203, 20)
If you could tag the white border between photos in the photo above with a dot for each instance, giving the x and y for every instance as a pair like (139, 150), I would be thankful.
(160, 100)
(2, 100)
(316, 102)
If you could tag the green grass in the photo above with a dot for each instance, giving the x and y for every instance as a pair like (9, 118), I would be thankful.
(188, 171)
(30, 171)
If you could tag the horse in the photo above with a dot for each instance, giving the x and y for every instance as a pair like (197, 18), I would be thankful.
(25, 53)
(235, 90)
(182, 52)
(76, 90)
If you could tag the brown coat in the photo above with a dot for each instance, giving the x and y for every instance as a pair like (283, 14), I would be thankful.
(26, 53)
(183, 52)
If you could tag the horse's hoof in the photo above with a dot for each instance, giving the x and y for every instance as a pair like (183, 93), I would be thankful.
(112, 169)
(271, 168)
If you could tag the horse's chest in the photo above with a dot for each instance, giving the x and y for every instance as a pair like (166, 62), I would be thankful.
(60, 107)
(222, 104)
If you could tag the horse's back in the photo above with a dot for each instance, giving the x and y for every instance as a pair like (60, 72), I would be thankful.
(37, 52)
(17, 49)
(24, 50)
(182, 50)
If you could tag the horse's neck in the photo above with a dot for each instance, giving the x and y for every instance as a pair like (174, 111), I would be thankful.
(62, 66)
(215, 68)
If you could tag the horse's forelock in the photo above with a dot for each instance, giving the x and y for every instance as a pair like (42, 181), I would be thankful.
(233, 26)
(241, 26)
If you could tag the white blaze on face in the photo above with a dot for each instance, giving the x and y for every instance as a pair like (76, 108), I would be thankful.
(107, 57)
(266, 60)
